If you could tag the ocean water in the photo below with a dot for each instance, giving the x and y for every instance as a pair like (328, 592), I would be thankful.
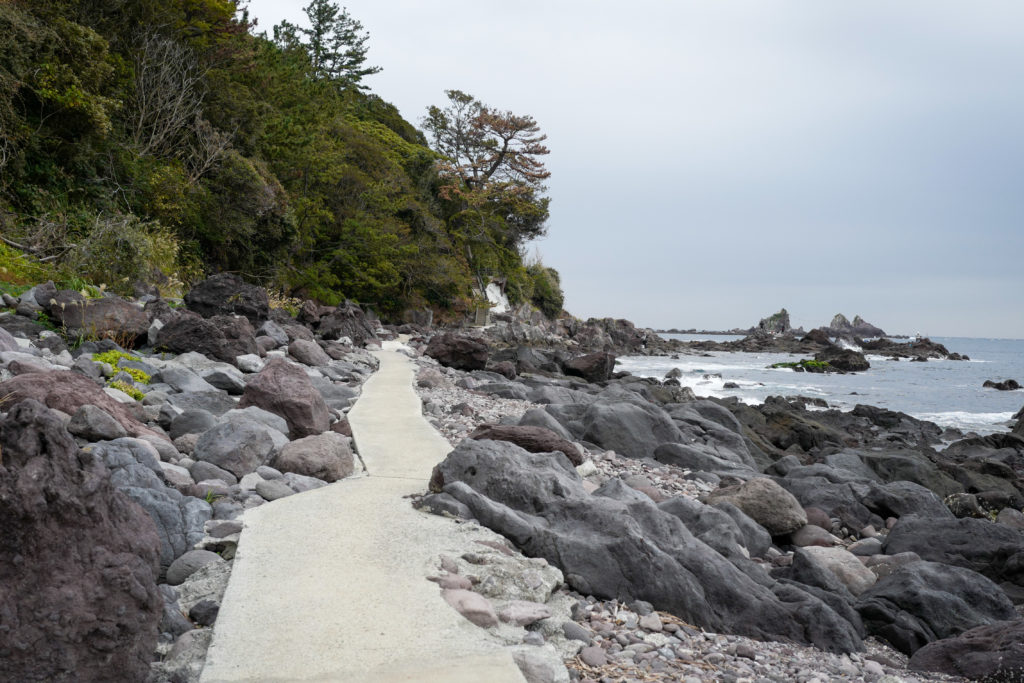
(949, 393)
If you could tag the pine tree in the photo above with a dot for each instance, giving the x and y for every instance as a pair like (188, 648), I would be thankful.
(335, 43)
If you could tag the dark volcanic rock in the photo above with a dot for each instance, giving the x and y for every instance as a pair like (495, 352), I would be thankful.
(458, 351)
(818, 335)
(777, 323)
(67, 392)
(858, 328)
(633, 428)
(925, 601)
(239, 337)
(1005, 385)
(593, 367)
(78, 561)
(109, 317)
(348, 320)
(228, 294)
(189, 332)
(532, 439)
(284, 389)
(618, 544)
(222, 337)
(993, 550)
(994, 652)
(846, 360)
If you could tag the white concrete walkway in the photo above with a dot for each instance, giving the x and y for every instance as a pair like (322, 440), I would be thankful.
(330, 585)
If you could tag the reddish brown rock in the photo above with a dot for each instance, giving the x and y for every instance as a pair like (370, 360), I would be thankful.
(324, 456)
(533, 439)
(284, 389)
(67, 392)
(78, 561)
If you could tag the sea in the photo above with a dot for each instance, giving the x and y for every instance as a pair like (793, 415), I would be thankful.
(948, 393)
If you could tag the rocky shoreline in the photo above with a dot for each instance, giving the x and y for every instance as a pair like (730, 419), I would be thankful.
(645, 534)
(625, 649)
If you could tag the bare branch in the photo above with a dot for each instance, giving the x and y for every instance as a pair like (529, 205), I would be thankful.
(168, 94)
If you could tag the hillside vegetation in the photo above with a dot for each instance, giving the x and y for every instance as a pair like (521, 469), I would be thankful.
(155, 142)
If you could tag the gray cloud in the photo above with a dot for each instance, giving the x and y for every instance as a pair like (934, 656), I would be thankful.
(714, 161)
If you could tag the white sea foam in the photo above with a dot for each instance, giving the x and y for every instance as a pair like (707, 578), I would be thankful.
(848, 346)
(966, 421)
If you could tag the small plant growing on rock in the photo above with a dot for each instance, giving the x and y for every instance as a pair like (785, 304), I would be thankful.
(128, 389)
(805, 365)
(113, 358)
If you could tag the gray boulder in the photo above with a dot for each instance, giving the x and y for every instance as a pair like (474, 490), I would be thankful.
(925, 601)
(619, 544)
(347, 320)
(215, 402)
(273, 331)
(135, 469)
(994, 652)
(993, 550)
(94, 424)
(632, 428)
(254, 414)
(7, 341)
(512, 390)
(337, 396)
(184, 379)
(709, 524)
(538, 417)
(237, 446)
(308, 353)
(188, 564)
(192, 421)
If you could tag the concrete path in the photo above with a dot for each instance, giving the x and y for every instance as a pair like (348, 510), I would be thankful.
(330, 585)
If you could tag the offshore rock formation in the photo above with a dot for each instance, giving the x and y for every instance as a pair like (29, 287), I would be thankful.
(840, 326)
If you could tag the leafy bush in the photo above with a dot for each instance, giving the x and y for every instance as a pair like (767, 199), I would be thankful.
(122, 250)
(547, 289)
(19, 271)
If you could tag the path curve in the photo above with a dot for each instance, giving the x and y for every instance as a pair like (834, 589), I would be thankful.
(329, 585)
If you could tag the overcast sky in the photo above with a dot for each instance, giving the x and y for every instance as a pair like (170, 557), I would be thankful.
(715, 161)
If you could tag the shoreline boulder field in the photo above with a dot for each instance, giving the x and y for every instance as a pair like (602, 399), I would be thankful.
(129, 456)
(694, 539)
